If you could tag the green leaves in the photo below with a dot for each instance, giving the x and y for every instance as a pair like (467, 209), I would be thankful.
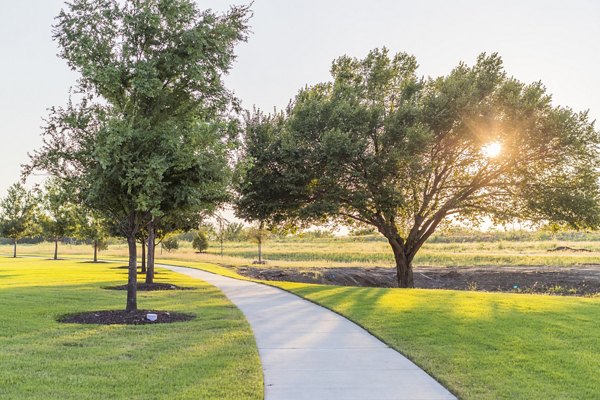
(381, 146)
(57, 215)
(152, 134)
(17, 213)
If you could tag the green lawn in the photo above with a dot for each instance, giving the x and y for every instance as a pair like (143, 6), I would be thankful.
(482, 345)
(479, 345)
(211, 357)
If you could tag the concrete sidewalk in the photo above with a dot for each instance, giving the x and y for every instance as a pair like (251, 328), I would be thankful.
(310, 353)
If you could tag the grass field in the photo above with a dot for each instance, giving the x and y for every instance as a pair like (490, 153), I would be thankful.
(349, 251)
(481, 345)
(212, 357)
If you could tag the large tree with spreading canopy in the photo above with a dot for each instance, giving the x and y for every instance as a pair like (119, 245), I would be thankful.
(381, 146)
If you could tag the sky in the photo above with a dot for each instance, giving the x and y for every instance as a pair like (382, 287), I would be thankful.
(293, 43)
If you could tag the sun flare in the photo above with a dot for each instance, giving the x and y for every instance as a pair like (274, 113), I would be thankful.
(492, 149)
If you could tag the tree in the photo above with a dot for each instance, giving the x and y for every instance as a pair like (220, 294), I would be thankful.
(259, 234)
(379, 146)
(233, 231)
(17, 212)
(58, 213)
(177, 220)
(92, 227)
(153, 120)
(200, 241)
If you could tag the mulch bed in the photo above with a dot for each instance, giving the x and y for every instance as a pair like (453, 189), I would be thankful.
(122, 317)
(150, 287)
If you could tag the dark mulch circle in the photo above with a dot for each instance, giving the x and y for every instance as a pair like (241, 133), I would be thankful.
(150, 287)
(122, 317)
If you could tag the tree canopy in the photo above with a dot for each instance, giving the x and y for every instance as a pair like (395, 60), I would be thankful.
(57, 213)
(381, 146)
(17, 214)
(152, 130)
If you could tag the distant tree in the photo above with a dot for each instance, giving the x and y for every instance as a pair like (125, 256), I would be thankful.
(58, 213)
(142, 238)
(234, 231)
(200, 241)
(154, 120)
(17, 214)
(383, 147)
(181, 220)
(259, 235)
(91, 226)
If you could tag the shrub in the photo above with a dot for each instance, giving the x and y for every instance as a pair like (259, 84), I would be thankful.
(200, 242)
(170, 243)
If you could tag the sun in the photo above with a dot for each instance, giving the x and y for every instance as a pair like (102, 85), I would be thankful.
(492, 149)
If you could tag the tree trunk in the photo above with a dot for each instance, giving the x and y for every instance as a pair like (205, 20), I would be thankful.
(260, 250)
(144, 257)
(15, 248)
(404, 271)
(151, 249)
(132, 276)
(96, 250)
(55, 248)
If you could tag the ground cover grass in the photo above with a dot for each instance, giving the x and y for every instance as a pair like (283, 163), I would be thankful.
(212, 357)
(481, 345)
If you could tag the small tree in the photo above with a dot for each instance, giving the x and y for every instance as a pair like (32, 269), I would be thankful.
(17, 212)
(142, 238)
(91, 226)
(58, 214)
(234, 231)
(259, 235)
(200, 241)
(161, 228)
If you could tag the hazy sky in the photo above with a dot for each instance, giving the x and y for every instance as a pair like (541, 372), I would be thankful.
(294, 42)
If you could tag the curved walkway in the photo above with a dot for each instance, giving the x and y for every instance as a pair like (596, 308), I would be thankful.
(311, 353)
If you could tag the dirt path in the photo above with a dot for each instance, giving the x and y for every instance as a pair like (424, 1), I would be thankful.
(570, 281)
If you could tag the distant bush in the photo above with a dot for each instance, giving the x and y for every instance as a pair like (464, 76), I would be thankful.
(363, 232)
(200, 242)
(316, 234)
(170, 243)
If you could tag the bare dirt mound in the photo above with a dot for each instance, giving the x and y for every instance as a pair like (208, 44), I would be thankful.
(122, 317)
(571, 249)
(570, 281)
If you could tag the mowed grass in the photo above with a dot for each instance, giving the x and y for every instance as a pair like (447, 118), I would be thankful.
(212, 357)
(481, 345)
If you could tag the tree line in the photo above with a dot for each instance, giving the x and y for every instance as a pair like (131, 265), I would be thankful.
(152, 139)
